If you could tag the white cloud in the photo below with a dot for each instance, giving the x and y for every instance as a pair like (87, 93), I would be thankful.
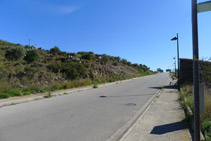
(67, 9)
(49, 8)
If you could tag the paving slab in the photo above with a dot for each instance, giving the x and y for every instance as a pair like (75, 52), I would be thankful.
(162, 121)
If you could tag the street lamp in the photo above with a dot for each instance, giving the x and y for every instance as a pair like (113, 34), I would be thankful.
(197, 8)
(173, 39)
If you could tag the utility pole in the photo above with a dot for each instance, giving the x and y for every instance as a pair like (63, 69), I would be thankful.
(196, 71)
(175, 66)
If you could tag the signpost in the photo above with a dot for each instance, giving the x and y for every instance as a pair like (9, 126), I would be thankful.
(197, 8)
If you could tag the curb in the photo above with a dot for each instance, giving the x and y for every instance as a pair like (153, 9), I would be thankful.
(39, 96)
(125, 129)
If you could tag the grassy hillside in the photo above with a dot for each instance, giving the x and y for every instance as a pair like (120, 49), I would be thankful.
(27, 69)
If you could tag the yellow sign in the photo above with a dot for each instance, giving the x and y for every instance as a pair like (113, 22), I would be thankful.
(195, 59)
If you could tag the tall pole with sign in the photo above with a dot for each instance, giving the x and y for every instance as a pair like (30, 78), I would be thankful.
(197, 8)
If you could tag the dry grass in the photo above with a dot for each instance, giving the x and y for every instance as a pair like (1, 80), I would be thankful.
(78, 83)
(188, 88)
(207, 101)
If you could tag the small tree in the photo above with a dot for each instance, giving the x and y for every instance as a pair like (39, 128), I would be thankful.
(32, 56)
(117, 59)
(55, 50)
(104, 59)
(15, 53)
(123, 61)
(88, 56)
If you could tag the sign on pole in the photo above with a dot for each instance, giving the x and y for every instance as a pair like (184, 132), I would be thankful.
(204, 7)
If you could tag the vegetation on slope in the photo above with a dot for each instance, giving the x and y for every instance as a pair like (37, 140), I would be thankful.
(27, 69)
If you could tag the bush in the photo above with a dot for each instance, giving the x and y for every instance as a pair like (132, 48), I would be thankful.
(88, 56)
(14, 92)
(69, 85)
(117, 59)
(32, 56)
(95, 85)
(206, 129)
(4, 95)
(27, 92)
(86, 82)
(58, 86)
(72, 70)
(115, 64)
(100, 80)
(15, 53)
(104, 59)
(55, 50)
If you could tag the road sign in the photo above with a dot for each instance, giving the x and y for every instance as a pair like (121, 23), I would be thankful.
(204, 7)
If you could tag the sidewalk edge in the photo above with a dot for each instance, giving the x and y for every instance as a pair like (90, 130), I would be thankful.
(125, 129)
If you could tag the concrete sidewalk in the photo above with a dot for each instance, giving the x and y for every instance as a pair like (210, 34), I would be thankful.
(162, 121)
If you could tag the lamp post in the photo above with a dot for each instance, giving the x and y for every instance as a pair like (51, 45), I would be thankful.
(197, 8)
(173, 39)
(175, 66)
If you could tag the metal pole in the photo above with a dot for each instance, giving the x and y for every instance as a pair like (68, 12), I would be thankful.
(175, 67)
(196, 71)
(178, 62)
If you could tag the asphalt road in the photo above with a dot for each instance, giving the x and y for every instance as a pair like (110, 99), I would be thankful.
(80, 116)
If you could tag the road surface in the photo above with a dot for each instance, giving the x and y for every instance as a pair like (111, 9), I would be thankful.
(91, 115)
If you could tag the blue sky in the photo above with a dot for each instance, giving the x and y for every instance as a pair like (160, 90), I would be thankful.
(138, 30)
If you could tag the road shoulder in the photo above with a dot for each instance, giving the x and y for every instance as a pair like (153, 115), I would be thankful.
(39, 96)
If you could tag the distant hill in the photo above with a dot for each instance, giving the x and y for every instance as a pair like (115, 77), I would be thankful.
(27, 66)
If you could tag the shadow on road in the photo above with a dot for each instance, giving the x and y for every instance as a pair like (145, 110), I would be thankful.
(126, 95)
(166, 128)
(165, 87)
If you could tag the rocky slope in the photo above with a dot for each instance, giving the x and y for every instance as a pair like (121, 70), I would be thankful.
(27, 66)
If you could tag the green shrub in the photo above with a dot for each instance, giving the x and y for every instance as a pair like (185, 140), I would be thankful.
(115, 64)
(4, 95)
(206, 129)
(88, 56)
(95, 85)
(104, 59)
(100, 80)
(14, 92)
(32, 56)
(27, 92)
(57, 86)
(110, 79)
(123, 61)
(55, 50)
(15, 53)
(72, 70)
